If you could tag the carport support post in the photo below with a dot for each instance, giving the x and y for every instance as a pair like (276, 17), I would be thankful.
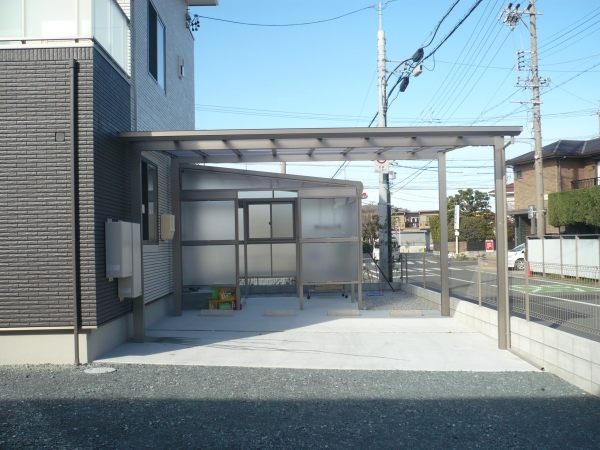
(176, 243)
(444, 273)
(139, 305)
(501, 244)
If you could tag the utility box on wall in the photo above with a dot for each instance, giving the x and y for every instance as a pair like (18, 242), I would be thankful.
(167, 227)
(124, 257)
(119, 250)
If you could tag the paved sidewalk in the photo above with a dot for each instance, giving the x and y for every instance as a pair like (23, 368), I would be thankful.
(314, 340)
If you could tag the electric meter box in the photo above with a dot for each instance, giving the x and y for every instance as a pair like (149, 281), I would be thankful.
(131, 287)
(119, 249)
(167, 227)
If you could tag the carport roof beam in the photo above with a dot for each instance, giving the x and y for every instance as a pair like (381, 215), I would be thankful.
(315, 144)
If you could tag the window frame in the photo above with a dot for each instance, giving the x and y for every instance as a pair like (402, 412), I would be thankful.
(146, 238)
(518, 174)
(154, 60)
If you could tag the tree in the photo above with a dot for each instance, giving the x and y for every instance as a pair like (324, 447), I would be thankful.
(370, 225)
(476, 218)
(471, 202)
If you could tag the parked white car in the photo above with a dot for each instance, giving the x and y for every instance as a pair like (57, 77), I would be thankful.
(516, 258)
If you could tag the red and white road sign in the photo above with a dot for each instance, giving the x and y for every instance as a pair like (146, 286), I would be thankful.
(382, 166)
(489, 246)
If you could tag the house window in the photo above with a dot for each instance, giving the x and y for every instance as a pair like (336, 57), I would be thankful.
(156, 46)
(149, 202)
(518, 174)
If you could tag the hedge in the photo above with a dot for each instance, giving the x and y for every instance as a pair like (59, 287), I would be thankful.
(575, 207)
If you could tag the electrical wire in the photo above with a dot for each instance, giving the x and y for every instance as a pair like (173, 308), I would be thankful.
(460, 22)
(434, 32)
(292, 24)
(451, 77)
(464, 75)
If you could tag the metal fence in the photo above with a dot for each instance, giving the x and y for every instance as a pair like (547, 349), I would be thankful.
(566, 295)
(569, 295)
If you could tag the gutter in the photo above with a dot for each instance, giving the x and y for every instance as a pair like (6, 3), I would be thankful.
(73, 66)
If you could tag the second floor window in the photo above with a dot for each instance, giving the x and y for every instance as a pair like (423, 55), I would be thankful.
(518, 174)
(156, 46)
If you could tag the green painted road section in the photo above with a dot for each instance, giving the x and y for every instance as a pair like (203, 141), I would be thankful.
(555, 288)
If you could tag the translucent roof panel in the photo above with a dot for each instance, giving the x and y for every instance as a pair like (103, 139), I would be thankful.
(219, 179)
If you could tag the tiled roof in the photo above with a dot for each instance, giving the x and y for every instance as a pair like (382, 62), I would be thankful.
(562, 148)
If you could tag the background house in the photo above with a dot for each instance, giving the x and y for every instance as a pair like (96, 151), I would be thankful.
(567, 165)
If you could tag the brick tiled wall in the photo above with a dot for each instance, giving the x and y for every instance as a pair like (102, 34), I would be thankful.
(35, 184)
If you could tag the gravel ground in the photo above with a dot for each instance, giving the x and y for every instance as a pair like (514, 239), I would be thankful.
(388, 300)
(235, 408)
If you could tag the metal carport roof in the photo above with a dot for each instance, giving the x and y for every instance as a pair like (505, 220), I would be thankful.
(315, 144)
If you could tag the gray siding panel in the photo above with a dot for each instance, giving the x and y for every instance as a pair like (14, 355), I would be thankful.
(111, 175)
(158, 260)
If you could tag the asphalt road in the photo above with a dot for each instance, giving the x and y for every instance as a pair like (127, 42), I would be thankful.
(180, 407)
(571, 306)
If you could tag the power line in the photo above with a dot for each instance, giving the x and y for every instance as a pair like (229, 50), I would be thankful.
(434, 32)
(477, 3)
(452, 78)
(546, 43)
(291, 24)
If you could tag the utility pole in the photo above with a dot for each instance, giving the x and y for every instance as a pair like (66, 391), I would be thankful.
(537, 128)
(385, 207)
(512, 18)
(597, 113)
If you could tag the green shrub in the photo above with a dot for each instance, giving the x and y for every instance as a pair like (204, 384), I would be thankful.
(575, 207)
(461, 257)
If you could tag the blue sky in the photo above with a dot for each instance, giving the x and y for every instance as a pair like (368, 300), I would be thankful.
(323, 76)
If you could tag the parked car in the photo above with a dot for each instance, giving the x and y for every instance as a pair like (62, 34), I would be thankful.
(395, 251)
(516, 258)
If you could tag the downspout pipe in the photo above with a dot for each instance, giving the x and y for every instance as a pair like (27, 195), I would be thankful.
(74, 210)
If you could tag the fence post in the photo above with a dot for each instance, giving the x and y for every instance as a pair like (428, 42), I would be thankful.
(479, 280)
(576, 257)
(562, 275)
(424, 276)
(527, 272)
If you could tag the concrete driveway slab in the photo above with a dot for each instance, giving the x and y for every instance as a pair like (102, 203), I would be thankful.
(313, 340)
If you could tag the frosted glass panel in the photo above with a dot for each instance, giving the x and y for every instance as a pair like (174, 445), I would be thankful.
(285, 194)
(241, 224)
(10, 18)
(196, 179)
(569, 252)
(324, 262)
(587, 252)
(208, 221)
(283, 220)
(51, 18)
(118, 35)
(255, 194)
(259, 260)
(259, 221)
(208, 265)
(85, 17)
(329, 218)
(284, 260)
(102, 22)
